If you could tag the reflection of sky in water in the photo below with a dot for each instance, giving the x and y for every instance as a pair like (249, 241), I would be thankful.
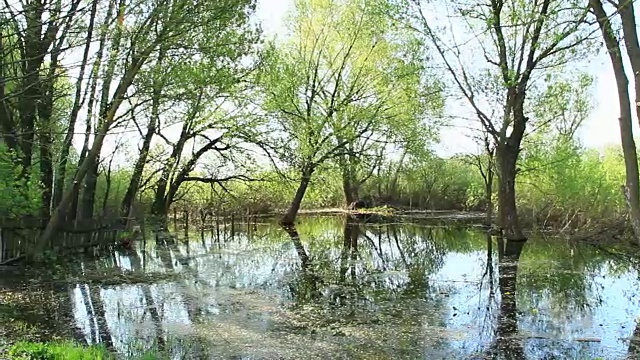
(610, 321)
(459, 282)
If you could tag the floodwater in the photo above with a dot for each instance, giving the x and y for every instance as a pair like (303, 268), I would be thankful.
(334, 290)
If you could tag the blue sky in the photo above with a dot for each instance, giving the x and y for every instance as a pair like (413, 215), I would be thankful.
(599, 130)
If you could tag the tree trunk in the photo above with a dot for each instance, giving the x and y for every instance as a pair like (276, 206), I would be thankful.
(488, 191)
(91, 179)
(107, 190)
(627, 15)
(290, 217)
(58, 212)
(171, 194)
(45, 139)
(506, 156)
(393, 190)
(138, 169)
(158, 208)
(508, 344)
(73, 211)
(31, 84)
(106, 121)
(89, 190)
(58, 187)
(347, 187)
(631, 188)
(7, 115)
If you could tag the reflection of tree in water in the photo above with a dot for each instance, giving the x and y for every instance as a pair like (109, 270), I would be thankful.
(557, 294)
(568, 290)
(151, 306)
(507, 344)
(352, 290)
(365, 255)
(349, 253)
(384, 279)
(422, 251)
(167, 246)
(305, 287)
(159, 339)
(633, 351)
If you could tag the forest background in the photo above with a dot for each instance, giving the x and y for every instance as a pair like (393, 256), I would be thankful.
(114, 108)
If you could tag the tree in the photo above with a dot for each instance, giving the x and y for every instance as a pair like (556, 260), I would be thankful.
(631, 189)
(342, 81)
(519, 41)
(196, 93)
(34, 37)
(139, 31)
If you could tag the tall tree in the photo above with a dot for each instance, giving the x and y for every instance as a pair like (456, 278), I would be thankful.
(193, 93)
(140, 30)
(35, 36)
(519, 41)
(79, 98)
(344, 76)
(631, 190)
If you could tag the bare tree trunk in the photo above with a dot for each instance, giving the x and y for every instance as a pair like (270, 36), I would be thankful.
(7, 115)
(91, 179)
(73, 212)
(507, 210)
(134, 183)
(45, 138)
(631, 189)
(629, 29)
(489, 197)
(89, 190)
(347, 186)
(138, 169)
(107, 189)
(58, 187)
(393, 190)
(92, 155)
(158, 207)
(290, 217)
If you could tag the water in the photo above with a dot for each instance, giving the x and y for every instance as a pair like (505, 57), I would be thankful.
(337, 291)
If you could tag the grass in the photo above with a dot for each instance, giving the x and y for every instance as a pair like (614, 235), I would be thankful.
(64, 351)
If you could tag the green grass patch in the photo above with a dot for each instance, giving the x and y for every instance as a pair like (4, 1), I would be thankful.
(64, 351)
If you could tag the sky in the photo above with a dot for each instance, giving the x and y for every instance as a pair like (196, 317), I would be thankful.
(598, 131)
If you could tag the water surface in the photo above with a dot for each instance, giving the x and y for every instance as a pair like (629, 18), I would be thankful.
(337, 290)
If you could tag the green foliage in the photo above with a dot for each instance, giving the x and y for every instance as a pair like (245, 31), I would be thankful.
(429, 182)
(57, 351)
(65, 351)
(565, 184)
(17, 197)
(345, 76)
